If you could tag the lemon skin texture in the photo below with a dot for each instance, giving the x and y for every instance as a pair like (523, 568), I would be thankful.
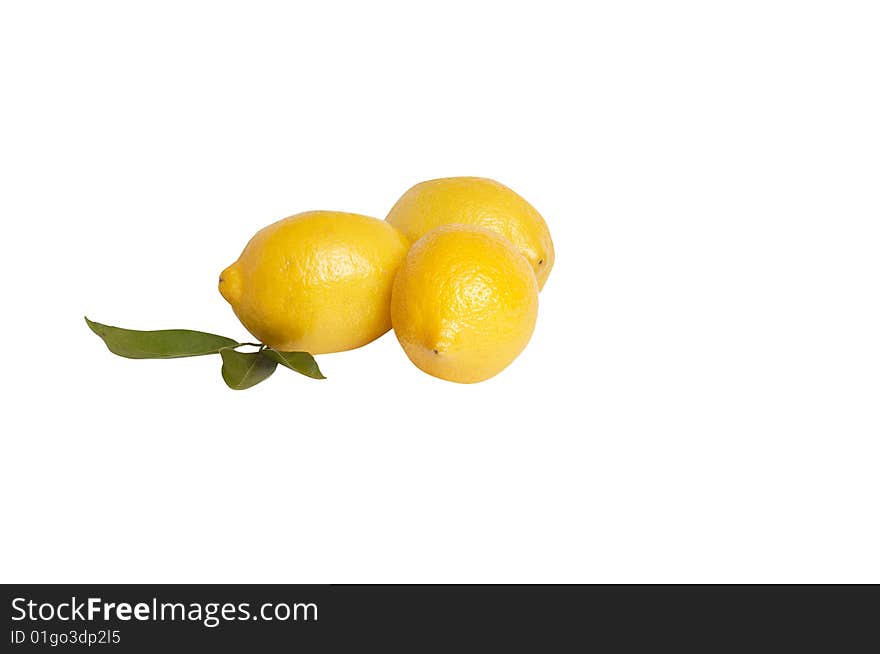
(317, 282)
(481, 202)
(464, 303)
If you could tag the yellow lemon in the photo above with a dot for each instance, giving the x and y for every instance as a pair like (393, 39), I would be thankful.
(464, 303)
(317, 282)
(476, 201)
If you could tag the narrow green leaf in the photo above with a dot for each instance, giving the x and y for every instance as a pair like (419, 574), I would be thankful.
(162, 344)
(302, 362)
(245, 369)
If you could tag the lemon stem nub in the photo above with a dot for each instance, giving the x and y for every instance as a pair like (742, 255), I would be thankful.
(230, 284)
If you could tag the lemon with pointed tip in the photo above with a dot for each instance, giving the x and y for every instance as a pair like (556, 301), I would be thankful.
(464, 303)
(316, 282)
(481, 202)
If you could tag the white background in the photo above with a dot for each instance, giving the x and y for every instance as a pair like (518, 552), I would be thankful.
(700, 401)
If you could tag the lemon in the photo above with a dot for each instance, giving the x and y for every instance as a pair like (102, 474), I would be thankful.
(464, 303)
(476, 201)
(317, 282)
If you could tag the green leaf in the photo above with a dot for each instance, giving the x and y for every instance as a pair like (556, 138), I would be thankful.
(242, 370)
(162, 344)
(302, 362)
